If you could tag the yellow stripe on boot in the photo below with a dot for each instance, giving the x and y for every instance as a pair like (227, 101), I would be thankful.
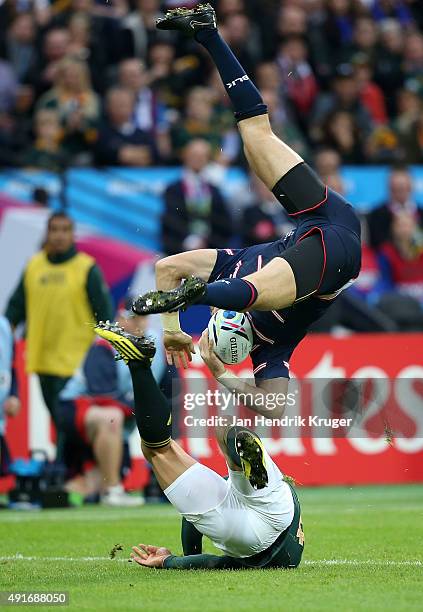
(126, 344)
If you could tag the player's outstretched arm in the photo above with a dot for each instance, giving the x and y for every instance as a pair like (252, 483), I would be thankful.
(150, 556)
(158, 557)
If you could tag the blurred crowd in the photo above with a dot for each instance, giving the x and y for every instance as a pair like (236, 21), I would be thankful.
(90, 82)
(86, 82)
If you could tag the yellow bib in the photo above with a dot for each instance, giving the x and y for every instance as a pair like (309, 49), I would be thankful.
(58, 314)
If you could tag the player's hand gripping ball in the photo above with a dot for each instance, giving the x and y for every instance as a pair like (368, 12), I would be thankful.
(232, 335)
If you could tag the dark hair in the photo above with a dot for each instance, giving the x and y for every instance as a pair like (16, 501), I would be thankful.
(58, 215)
(40, 196)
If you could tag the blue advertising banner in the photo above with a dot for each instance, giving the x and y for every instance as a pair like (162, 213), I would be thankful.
(366, 187)
(126, 203)
(20, 184)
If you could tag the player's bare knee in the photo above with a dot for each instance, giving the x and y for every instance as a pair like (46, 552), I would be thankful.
(103, 421)
(115, 422)
(179, 265)
(165, 264)
(111, 418)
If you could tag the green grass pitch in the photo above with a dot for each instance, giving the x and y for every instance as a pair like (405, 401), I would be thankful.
(364, 551)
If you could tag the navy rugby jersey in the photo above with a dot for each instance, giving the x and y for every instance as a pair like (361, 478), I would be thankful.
(277, 333)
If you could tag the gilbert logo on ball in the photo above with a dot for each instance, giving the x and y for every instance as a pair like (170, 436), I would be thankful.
(232, 335)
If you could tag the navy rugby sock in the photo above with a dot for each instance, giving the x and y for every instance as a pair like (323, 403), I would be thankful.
(152, 409)
(244, 95)
(230, 294)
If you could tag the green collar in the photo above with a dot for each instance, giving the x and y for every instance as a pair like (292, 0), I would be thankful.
(62, 257)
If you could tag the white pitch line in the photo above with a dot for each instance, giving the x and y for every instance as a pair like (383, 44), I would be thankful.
(164, 513)
(357, 562)
(68, 559)
(322, 562)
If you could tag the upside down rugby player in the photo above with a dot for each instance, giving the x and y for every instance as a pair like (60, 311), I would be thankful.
(254, 517)
(284, 285)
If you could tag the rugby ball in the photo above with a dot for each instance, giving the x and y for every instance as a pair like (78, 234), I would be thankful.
(232, 335)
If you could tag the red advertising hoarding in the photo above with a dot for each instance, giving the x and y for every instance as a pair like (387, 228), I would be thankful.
(393, 362)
